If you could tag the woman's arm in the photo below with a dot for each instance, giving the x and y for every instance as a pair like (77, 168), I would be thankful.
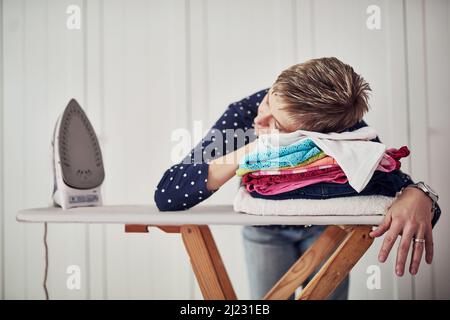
(213, 161)
(224, 168)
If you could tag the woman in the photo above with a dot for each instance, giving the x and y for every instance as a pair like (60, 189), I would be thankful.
(322, 95)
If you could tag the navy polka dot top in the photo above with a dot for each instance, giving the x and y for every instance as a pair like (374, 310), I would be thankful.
(184, 185)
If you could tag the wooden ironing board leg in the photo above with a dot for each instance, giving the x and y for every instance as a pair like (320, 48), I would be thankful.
(306, 264)
(206, 262)
(351, 242)
(336, 268)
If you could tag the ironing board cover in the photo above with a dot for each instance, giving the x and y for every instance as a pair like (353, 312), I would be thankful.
(201, 214)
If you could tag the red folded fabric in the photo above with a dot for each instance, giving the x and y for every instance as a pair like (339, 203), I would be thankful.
(272, 182)
(276, 184)
(397, 154)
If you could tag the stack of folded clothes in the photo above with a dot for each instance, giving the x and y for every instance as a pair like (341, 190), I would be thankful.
(312, 165)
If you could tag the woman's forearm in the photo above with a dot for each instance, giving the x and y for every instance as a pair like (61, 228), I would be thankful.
(224, 168)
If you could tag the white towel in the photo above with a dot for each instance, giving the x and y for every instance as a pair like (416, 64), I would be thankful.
(343, 206)
(356, 155)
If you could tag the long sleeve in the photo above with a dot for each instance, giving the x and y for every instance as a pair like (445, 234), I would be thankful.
(183, 185)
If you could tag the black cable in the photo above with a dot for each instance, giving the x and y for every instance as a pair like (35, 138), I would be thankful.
(46, 262)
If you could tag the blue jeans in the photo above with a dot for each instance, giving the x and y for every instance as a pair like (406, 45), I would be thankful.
(270, 252)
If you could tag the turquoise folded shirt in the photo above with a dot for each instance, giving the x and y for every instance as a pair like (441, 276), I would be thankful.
(284, 156)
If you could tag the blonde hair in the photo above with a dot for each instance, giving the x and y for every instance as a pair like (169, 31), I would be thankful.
(323, 95)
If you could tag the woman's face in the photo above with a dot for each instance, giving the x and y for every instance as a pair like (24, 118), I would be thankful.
(271, 118)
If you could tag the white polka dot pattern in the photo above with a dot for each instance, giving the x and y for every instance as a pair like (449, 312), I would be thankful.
(185, 187)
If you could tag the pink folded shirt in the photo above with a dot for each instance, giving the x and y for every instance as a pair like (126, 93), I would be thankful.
(270, 182)
(276, 184)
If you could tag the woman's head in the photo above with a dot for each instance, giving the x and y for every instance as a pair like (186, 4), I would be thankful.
(323, 95)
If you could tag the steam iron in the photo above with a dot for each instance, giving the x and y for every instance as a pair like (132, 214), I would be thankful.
(77, 160)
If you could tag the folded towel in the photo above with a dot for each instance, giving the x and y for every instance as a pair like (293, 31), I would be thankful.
(387, 164)
(356, 155)
(325, 162)
(275, 140)
(343, 206)
(276, 165)
(266, 157)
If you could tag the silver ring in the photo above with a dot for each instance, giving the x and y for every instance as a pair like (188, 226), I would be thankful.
(419, 240)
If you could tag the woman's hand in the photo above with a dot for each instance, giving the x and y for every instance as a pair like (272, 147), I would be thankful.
(409, 216)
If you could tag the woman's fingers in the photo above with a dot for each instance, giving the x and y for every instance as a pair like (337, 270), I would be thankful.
(408, 217)
(389, 240)
(417, 251)
(403, 248)
(429, 246)
(383, 227)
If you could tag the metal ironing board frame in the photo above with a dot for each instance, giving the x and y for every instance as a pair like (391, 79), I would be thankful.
(339, 247)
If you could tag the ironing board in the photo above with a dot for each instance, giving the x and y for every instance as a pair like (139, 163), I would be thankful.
(340, 246)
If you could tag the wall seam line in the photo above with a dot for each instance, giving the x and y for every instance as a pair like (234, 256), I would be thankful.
(427, 119)
(2, 184)
(188, 89)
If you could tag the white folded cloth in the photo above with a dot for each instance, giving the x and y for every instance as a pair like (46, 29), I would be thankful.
(343, 206)
(356, 155)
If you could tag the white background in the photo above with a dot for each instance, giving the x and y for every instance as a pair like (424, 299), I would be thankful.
(141, 69)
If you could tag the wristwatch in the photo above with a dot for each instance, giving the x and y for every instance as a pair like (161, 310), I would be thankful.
(428, 191)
